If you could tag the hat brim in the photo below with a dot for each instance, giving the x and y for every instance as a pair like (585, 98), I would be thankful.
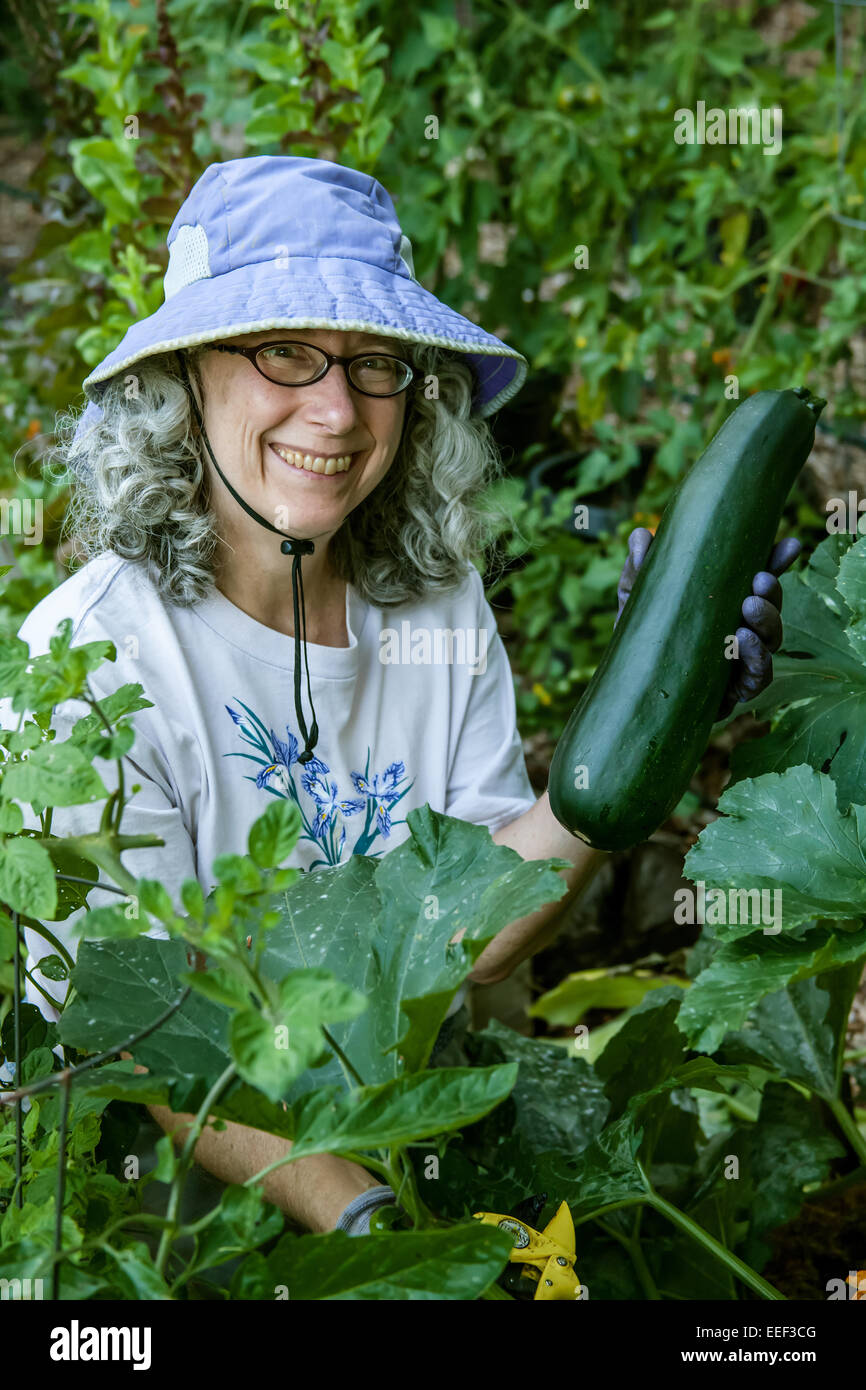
(328, 293)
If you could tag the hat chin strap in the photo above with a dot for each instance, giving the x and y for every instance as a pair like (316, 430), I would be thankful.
(295, 547)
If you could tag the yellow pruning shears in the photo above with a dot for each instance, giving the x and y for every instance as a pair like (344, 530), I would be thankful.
(547, 1256)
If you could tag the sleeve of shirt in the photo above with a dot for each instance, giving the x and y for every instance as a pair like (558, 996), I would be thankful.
(487, 779)
(149, 811)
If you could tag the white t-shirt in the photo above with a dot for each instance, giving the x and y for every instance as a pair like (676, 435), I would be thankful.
(222, 738)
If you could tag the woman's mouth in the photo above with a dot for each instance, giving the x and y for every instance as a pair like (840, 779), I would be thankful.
(324, 464)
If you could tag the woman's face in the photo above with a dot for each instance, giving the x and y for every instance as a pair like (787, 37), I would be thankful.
(262, 432)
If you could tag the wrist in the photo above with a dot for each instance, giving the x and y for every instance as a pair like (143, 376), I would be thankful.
(355, 1218)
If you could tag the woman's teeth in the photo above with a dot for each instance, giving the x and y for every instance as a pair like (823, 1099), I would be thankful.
(314, 463)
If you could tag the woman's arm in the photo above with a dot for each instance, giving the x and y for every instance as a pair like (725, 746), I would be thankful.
(313, 1191)
(536, 834)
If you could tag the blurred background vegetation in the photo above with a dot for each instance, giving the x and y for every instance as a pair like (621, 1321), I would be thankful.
(553, 130)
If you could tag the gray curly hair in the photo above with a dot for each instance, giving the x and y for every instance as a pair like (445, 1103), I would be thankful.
(143, 489)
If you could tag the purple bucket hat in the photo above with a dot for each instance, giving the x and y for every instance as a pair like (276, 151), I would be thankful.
(279, 241)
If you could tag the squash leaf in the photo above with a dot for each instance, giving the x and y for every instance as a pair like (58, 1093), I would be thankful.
(817, 698)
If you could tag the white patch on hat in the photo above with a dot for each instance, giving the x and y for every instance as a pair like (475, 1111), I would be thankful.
(188, 259)
(406, 256)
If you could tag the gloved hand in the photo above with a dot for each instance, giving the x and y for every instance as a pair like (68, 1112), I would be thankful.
(752, 671)
(355, 1218)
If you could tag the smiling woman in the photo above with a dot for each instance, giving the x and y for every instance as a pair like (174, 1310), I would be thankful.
(276, 470)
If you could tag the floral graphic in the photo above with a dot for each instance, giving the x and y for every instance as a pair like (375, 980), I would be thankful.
(324, 811)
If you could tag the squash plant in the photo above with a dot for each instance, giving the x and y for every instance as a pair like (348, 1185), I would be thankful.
(701, 1126)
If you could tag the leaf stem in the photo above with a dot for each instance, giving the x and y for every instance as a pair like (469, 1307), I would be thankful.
(737, 1266)
(631, 1244)
(185, 1161)
(849, 1128)
(361, 1159)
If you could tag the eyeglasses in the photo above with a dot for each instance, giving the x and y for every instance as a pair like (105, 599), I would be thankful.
(290, 363)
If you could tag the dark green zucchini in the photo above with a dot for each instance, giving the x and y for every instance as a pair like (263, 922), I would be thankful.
(629, 749)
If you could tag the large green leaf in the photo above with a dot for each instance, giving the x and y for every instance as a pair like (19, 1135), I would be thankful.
(557, 1100)
(818, 696)
(398, 1112)
(800, 1031)
(784, 831)
(386, 928)
(607, 1170)
(644, 1051)
(398, 1266)
(742, 972)
(123, 987)
(557, 1104)
(604, 1172)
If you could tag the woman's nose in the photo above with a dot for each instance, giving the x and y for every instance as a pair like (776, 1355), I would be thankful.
(331, 401)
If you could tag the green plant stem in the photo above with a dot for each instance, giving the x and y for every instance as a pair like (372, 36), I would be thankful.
(642, 1270)
(737, 1109)
(631, 1245)
(43, 931)
(362, 1160)
(402, 1179)
(118, 798)
(609, 1206)
(132, 1218)
(36, 985)
(342, 1058)
(737, 1266)
(104, 850)
(185, 1161)
(849, 1128)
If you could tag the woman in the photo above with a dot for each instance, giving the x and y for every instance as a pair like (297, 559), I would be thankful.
(281, 473)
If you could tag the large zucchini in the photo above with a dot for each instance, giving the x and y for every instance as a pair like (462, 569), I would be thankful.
(629, 749)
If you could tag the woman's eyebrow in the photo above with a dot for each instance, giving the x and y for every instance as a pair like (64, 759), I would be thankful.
(383, 345)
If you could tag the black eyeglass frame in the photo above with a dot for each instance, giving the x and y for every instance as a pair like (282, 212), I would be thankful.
(251, 353)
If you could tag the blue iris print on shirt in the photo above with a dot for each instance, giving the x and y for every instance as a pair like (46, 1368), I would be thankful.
(324, 811)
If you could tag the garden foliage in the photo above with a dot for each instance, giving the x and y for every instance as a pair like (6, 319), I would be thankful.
(512, 136)
(323, 995)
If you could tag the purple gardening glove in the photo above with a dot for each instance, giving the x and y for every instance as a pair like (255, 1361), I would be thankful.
(762, 634)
